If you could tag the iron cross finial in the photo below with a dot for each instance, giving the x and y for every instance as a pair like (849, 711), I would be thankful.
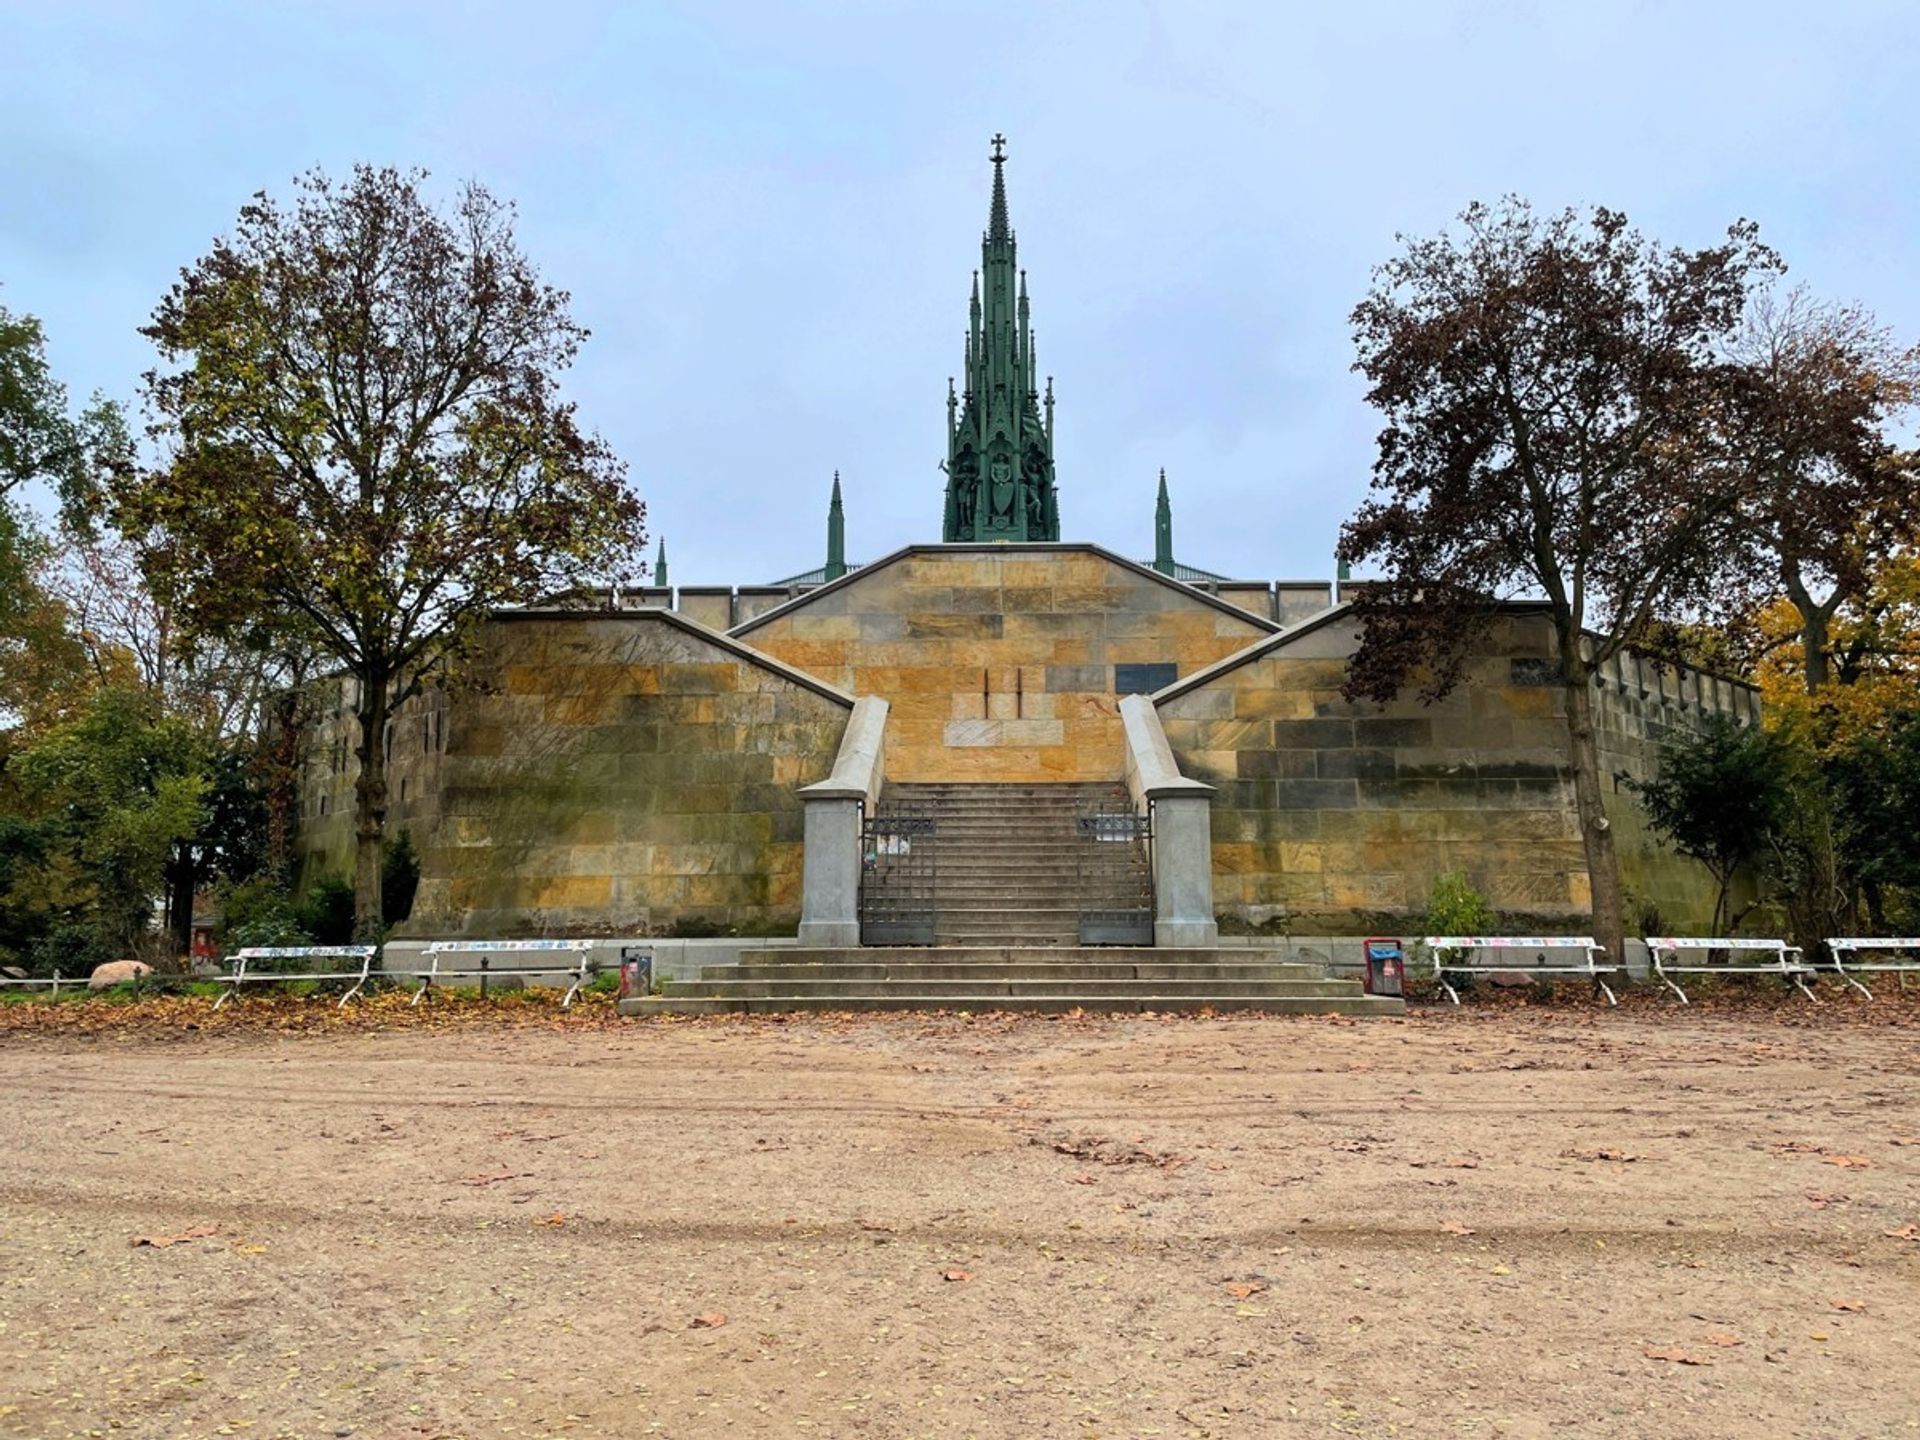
(999, 147)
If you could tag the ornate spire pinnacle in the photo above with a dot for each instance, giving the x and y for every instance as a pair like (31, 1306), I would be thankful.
(660, 564)
(997, 227)
(836, 534)
(1000, 481)
(1163, 529)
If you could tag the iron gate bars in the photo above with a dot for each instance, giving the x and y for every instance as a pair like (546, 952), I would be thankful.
(1116, 878)
(898, 871)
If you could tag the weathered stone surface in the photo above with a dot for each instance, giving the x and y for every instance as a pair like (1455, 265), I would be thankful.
(1010, 654)
(645, 785)
(1339, 816)
(117, 972)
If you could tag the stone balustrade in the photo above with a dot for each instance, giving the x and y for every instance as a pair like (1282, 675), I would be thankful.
(1182, 830)
(835, 806)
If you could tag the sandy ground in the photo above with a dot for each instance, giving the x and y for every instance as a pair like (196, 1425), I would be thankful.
(1564, 1223)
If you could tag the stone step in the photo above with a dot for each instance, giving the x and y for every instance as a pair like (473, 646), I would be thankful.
(1071, 970)
(1353, 1004)
(1013, 954)
(974, 990)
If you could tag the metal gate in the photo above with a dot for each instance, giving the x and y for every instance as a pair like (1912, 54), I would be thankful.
(898, 852)
(1116, 875)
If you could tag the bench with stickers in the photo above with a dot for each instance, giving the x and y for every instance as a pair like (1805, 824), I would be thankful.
(1520, 954)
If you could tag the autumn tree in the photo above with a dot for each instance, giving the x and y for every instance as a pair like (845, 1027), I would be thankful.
(359, 396)
(1820, 388)
(1553, 392)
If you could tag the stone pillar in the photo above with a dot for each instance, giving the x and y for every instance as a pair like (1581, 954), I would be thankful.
(1183, 871)
(830, 882)
(1182, 830)
(830, 861)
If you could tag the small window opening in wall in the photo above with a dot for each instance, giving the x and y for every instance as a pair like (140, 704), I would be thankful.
(1144, 679)
(323, 805)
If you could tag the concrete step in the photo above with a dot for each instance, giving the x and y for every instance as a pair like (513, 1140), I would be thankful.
(1353, 1004)
(996, 954)
(1077, 971)
(997, 986)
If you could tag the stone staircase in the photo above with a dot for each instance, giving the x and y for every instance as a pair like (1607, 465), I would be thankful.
(1008, 868)
(1016, 978)
(1008, 877)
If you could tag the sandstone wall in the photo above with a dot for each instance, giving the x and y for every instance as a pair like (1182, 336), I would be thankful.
(1336, 818)
(1002, 663)
(599, 773)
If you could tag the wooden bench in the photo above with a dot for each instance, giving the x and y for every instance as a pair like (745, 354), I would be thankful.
(244, 971)
(1690, 955)
(1903, 957)
(1491, 954)
(465, 961)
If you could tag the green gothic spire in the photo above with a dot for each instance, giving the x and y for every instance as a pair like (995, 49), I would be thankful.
(660, 563)
(1163, 529)
(836, 535)
(1000, 483)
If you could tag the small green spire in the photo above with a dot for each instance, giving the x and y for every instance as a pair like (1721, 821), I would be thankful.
(836, 534)
(1163, 529)
(660, 564)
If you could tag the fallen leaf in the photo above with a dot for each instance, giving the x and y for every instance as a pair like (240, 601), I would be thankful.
(1673, 1353)
(1461, 1162)
(1619, 1157)
(957, 1277)
(1847, 1162)
(1905, 1232)
(1822, 1202)
(1244, 1289)
(1723, 1338)
(556, 1220)
(712, 1320)
(1083, 1180)
(161, 1242)
(1817, 1335)
(496, 1179)
(1501, 1270)
(1905, 1140)
(1851, 1307)
(1454, 1227)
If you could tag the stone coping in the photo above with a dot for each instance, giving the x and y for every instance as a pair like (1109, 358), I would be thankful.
(1051, 547)
(858, 767)
(1152, 773)
(1253, 652)
(721, 640)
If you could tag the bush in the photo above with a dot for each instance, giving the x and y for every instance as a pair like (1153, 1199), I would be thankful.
(259, 912)
(327, 912)
(1454, 907)
(399, 879)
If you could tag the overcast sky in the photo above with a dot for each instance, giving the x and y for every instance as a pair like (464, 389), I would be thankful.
(767, 214)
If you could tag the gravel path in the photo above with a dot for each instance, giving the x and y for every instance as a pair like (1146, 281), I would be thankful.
(1530, 1224)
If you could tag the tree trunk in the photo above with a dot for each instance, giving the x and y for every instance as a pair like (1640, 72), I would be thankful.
(1596, 834)
(370, 808)
(1813, 647)
(182, 875)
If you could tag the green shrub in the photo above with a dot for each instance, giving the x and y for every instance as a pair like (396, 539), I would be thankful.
(327, 912)
(399, 879)
(258, 912)
(1454, 907)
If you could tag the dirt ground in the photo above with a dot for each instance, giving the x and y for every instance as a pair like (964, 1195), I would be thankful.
(1537, 1222)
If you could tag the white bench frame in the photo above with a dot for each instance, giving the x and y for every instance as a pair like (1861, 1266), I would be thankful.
(1788, 961)
(1594, 960)
(437, 952)
(1855, 944)
(238, 976)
